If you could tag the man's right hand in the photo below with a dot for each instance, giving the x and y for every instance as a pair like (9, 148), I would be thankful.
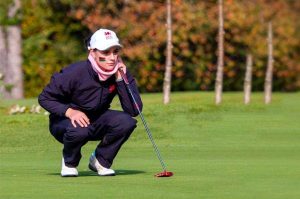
(78, 117)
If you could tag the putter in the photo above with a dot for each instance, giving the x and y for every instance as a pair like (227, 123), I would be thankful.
(165, 173)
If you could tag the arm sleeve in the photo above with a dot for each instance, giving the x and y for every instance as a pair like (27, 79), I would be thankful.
(55, 97)
(125, 98)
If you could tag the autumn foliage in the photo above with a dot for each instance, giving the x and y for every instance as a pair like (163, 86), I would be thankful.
(54, 32)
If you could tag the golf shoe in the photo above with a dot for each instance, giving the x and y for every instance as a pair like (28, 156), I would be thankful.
(68, 171)
(94, 165)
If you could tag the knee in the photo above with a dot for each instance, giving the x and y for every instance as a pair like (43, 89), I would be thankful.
(125, 122)
(130, 123)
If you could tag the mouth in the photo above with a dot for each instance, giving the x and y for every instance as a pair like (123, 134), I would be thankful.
(108, 68)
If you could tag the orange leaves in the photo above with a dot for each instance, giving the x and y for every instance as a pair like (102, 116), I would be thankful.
(141, 28)
(79, 14)
(90, 2)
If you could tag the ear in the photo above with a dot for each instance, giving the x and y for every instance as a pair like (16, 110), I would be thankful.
(92, 52)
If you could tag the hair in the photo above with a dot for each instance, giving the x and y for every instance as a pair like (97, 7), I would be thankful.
(87, 41)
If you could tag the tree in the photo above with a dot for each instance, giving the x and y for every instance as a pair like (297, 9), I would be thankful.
(3, 57)
(3, 49)
(219, 78)
(269, 72)
(55, 39)
(168, 71)
(52, 42)
(10, 49)
(248, 79)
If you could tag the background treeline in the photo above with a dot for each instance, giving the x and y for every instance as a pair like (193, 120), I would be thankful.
(54, 31)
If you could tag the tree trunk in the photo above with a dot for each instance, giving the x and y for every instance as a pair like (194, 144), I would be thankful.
(13, 73)
(248, 79)
(13, 79)
(3, 57)
(219, 77)
(269, 72)
(168, 71)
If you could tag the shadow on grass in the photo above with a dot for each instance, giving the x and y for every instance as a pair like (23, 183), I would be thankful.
(119, 172)
(128, 172)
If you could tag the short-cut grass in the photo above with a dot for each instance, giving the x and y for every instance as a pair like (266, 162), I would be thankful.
(230, 151)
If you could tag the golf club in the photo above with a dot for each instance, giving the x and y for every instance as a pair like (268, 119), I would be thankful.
(165, 173)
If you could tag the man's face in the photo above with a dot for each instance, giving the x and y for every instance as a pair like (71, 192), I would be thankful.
(106, 59)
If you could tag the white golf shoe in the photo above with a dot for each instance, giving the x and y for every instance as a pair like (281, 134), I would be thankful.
(94, 165)
(68, 171)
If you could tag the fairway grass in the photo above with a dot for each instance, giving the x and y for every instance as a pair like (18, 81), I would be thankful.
(231, 151)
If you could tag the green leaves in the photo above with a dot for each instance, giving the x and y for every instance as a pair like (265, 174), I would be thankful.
(54, 32)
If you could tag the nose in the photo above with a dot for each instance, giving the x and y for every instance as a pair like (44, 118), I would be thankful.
(111, 56)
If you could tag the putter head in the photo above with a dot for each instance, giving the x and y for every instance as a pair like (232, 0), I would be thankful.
(164, 174)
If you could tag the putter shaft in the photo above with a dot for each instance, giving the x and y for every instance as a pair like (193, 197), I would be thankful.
(143, 120)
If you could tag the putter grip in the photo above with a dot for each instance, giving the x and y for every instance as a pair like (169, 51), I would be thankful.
(123, 76)
(128, 88)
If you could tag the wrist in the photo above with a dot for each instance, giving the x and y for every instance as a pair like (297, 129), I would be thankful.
(68, 112)
(119, 79)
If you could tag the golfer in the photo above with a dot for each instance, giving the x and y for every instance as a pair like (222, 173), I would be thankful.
(78, 99)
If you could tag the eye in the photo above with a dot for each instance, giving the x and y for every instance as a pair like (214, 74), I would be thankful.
(105, 52)
(115, 52)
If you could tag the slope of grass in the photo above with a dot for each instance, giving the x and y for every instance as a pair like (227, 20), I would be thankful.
(228, 151)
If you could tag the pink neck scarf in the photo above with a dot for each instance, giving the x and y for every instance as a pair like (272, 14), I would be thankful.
(101, 74)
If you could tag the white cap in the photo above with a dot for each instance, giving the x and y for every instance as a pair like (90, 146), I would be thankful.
(103, 39)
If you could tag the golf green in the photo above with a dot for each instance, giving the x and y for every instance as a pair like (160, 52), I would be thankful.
(230, 151)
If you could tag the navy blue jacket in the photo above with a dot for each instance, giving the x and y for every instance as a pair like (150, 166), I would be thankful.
(78, 86)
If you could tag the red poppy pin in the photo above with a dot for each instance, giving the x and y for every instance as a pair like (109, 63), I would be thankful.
(112, 88)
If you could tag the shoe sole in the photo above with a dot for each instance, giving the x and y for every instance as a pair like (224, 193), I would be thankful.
(68, 175)
(95, 170)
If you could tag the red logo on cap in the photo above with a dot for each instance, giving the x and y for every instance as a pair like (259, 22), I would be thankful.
(107, 35)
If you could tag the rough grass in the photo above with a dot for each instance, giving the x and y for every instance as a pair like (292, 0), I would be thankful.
(231, 151)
